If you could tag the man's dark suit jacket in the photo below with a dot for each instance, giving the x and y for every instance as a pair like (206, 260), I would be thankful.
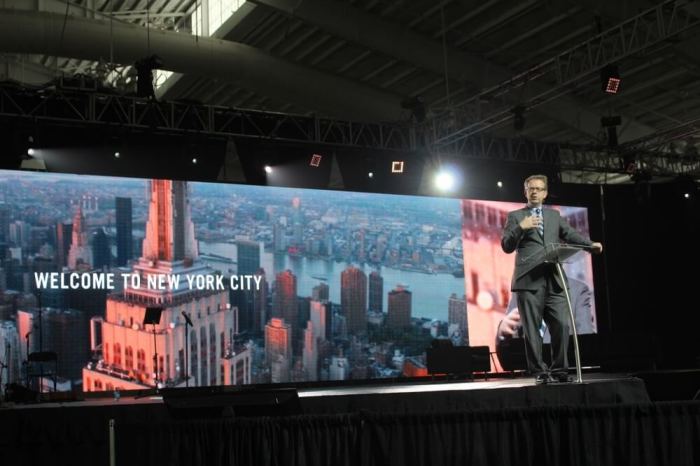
(528, 243)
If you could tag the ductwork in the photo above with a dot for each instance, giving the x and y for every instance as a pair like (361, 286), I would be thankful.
(232, 62)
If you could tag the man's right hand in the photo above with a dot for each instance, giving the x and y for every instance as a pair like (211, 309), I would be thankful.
(531, 221)
(509, 325)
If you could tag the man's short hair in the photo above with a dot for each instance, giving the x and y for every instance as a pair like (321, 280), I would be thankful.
(542, 178)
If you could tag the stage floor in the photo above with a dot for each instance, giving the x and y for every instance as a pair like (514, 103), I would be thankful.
(420, 396)
(445, 385)
(596, 389)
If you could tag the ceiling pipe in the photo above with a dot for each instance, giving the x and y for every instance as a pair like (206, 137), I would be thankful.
(244, 66)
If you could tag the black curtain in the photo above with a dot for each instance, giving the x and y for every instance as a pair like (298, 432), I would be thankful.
(653, 434)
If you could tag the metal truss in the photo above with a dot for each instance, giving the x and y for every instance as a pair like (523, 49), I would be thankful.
(553, 78)
(74, 106)
(507, 150)
(647, 162)
(663, 140)
(86, 108)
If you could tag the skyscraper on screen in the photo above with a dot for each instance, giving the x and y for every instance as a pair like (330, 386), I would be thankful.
(127, 345)
(125, 241)
(353, 299)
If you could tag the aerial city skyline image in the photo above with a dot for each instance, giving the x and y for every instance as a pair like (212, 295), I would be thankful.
(349, 285)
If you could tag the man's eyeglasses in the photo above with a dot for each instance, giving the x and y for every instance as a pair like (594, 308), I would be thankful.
(535, 189)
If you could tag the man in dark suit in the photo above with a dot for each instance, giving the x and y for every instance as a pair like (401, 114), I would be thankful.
(540, 291)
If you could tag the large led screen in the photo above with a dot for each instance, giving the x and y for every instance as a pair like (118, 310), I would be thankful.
(131, 283)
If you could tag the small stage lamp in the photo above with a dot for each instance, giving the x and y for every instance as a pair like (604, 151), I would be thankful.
(610, 79)
(315, 160)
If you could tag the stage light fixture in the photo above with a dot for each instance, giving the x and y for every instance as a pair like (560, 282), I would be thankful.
(499, 184)
(117, 155)
(268, 169)
(315, 160)
(31, 152)
(610, 123)
(370, 175)
(686, 195)
(445, 181)
(397, 166)
(610, 79)
(194, 161)
(144, 76)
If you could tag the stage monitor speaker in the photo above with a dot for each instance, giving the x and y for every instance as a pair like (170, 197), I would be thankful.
(223, 402)
(457, 360)
(16, 393)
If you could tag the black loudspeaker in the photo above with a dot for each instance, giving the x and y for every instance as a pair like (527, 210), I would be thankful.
(223, 402)
(152, 316)
(448, 359)
(17, 393)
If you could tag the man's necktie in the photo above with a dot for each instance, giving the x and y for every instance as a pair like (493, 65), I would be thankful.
(540, 227)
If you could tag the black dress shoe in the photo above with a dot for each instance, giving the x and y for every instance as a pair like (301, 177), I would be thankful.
(543, 379)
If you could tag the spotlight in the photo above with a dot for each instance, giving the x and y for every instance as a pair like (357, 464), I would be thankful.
(315, 160)
(397, 166)
(117, 155)
(611, 123)
(194, 161)
(610, 79)
(370, 175)
(268, 169)
(31, 152)
(445, 181)
(686, 195)
(144, 75)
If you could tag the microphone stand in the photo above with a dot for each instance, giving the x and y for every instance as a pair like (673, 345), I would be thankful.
(41, 347)
(26, 362)
(556, 254)
(188, 323)
(155, 357)
(5, 365)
